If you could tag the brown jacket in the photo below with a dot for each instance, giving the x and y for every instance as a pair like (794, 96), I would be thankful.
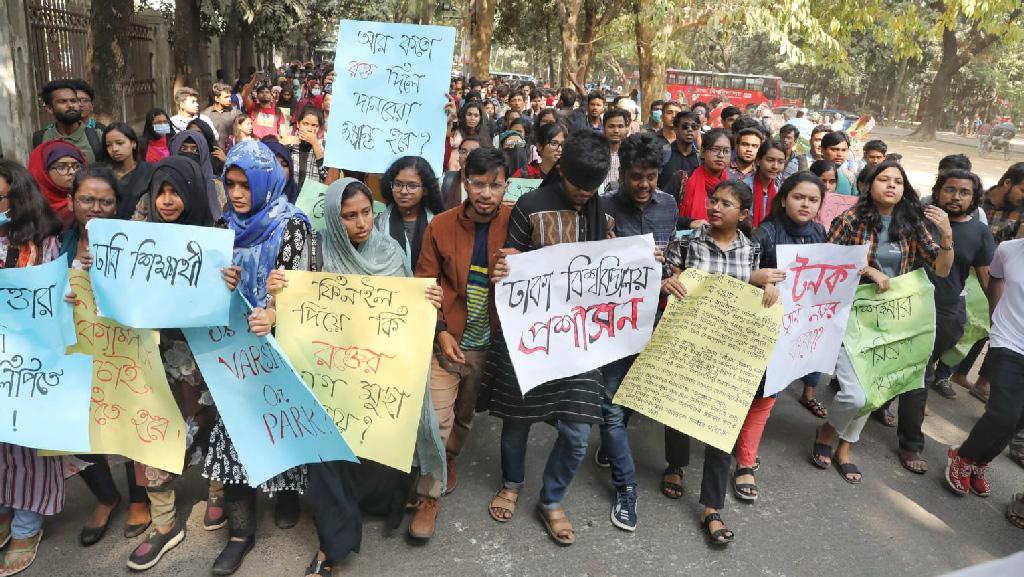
(445, 254)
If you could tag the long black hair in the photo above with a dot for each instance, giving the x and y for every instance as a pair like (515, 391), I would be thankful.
(482, 130)
(777, 210)
(147, 128)
(32, 219)
(431, 190)
(907, 216)
(128, 133)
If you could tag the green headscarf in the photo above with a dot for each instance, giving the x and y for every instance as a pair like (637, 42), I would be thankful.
(380, 255)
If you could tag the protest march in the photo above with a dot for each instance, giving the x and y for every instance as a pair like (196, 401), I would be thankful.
(317, 306)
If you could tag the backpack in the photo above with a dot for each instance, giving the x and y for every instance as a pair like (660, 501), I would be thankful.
(95, 142)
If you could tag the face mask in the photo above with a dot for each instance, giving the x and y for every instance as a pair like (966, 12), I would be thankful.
(162, 129)
(5, 217)
(656, 116)
(191, 155)
(315, 92)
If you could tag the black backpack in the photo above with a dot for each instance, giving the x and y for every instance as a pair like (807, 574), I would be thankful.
(91, 134)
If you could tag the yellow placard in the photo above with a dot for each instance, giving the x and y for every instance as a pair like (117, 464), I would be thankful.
(363, 345)
(132, 410)
(702, 367)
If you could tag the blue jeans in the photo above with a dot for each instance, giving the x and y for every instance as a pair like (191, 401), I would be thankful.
(614, 439)
(811, 379)
(25, 523)
(566, 455)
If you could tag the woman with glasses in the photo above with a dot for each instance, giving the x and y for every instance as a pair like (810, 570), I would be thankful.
(413, 197)
(53, 165)
(716, 148)
(550, 138)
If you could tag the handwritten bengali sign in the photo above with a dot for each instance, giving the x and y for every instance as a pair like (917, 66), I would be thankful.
(362, 344)
(132, 411)
(170, 273)
(274, 421)
(569, 308)
(704, 363)
(32, 306)
(389, 94)
(816, 296)
(311, 202)
(832, 206)
(978, 321)
(518, 187)
(890, 336)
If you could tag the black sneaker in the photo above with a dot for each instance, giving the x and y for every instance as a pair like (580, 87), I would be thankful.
(624, 510)
(215, 517)
(945, 388)
(230, 559)
(601, 458)
(149, 552)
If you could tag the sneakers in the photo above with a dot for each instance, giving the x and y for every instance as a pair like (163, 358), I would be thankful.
(425, 519)
(601, 458)
(958, 472)
(149, 552)
(624, 510)
(944, 387)
(215, 518)
(979, 484)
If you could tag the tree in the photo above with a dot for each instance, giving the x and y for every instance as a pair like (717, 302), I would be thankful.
(480, 27)
(568, 14)
(186, 33)
(105, 59)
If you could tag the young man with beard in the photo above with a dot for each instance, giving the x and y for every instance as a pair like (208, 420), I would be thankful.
(958, 193)
(748, 141)
(459, 249)
(638, 207)
(683, 157)
(616, 129)
(60, 98)
(267, 120)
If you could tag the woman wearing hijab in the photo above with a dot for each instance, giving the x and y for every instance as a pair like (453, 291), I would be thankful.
(350, 244)
(53, 164)
(193, 145)
(177, 195)
(284, 158)
(413, 197)
(270, 233)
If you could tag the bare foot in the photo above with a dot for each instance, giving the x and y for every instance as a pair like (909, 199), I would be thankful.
(962, 381)
(138, 514)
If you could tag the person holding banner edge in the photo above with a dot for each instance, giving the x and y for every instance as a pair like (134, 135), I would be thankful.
(890, 219)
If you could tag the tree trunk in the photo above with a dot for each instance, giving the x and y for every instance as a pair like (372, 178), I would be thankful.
(550, 53)
(568, 13)
(105, 58)
(229, 46)
(652, 66)
(481, 28)
(426, 11)
(186, 38)
(936, 99)
(247, 52)
(585, 49)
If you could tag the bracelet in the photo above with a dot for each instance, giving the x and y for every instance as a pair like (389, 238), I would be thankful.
(944, 248)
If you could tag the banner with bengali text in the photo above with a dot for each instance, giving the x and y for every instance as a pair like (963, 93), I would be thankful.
(978, 321)
(32, 306)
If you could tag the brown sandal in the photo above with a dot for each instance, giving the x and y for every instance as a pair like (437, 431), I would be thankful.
(913, 462)
(558, 525)
(505, 500)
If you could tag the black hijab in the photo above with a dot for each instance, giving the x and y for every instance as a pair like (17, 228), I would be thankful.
(202, 159)
(188, 181)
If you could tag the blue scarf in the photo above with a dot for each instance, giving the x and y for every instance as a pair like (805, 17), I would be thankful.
(258, 233)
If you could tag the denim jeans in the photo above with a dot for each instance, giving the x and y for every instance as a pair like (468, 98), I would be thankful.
(25, 523)
(564, 460)
(614, 438)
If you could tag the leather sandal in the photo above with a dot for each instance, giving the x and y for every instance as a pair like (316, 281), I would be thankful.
(557, 524)
(744, 491)
(319, 568)
(721, 537)
(504, 499)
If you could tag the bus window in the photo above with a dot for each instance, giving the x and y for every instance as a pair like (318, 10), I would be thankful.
(688, 80)
(771, 89)
(700, 80)
(755, 84)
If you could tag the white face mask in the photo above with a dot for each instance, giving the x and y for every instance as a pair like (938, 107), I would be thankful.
(162, 129)
(315, 92)
(5, 217)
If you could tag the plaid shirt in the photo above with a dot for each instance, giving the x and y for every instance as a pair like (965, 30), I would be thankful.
(306, 166)
(917, 250)
(699, 251)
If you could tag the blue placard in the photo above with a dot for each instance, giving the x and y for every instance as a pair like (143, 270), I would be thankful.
(389, 95)
(156, 276)
(32, 306)
(273, 419)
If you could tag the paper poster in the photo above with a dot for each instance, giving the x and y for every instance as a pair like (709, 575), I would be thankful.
(518, 187)
(890, 336)
(363, 345)
(816, 296)
(389, 95)
(311, 202)
(704, 363)
(132, 411)
(273, 420)
(833, 206)
(32, 306)
(570, 308)
(977, 322)
(171, 273)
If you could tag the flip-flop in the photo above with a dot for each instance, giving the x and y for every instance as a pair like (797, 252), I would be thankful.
(33, 549)
(908, 457)
(846, 469)
(667, 486)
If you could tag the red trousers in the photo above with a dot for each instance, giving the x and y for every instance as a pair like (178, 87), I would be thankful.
(750, 434)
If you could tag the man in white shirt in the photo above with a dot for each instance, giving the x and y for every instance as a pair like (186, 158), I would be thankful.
(187, 101)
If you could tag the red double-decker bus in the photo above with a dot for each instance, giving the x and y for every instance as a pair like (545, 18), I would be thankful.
(738, 89)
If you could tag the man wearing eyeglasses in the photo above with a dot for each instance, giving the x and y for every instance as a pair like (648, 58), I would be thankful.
(683, 156)
(458, 248)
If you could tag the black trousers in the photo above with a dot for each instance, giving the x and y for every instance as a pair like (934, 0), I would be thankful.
(101, 482)
(677, 448)
(715, 475)
(1004, 412)
(949, 327)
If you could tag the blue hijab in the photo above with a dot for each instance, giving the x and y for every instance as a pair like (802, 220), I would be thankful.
(258, 234)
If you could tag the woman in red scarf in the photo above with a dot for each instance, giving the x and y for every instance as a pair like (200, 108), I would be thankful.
(715, 149)
(53, 165)
(770, 160)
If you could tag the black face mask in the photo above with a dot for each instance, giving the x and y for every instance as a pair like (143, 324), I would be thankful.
(68, 116)
(194, 156)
